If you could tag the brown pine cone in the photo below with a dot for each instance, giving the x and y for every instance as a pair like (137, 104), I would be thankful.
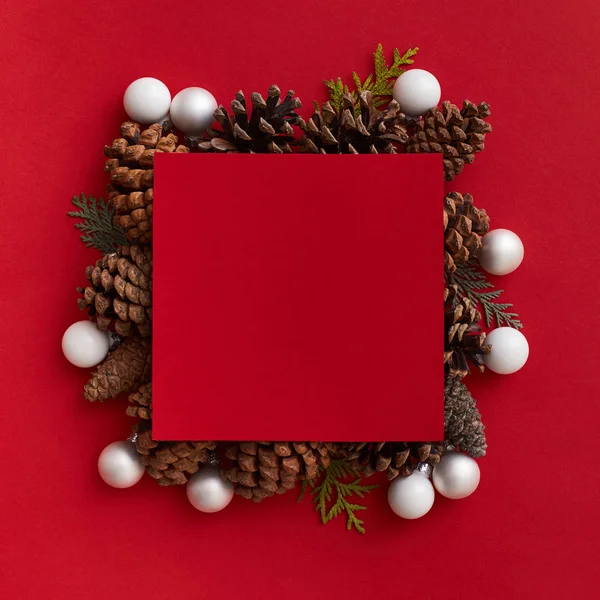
(131, 167)
(464, 341)
(120, 292)
(464, 226)
(123, 370)
(170, 463)
(262, 469)
(370, 131)
(140, 402)
(267, 129)
(457, 134)
(463, 426)
(395, 458)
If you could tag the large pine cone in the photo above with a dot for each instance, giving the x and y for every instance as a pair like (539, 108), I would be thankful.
(267, 129)
(464, 341)
(140, 402)
(131, 167)
(120, 292)
(170, 463)
(463, 426)
(262, 469)
(395, 458)
(464, 226)
(371, 131)
(123, 370)
(457, 134)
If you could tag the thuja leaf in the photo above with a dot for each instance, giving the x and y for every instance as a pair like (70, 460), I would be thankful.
(97, 224)
(379, 83)
(472, 283)
(331, 495)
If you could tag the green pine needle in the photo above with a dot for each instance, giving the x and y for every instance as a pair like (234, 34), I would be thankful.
(472, 283)
(331, 496)
(97, 226)
(380, 83)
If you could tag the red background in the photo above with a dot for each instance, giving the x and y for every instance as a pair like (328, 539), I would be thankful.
(296, 298)
(531, 528)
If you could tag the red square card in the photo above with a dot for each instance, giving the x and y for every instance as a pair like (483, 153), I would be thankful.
(298, 297)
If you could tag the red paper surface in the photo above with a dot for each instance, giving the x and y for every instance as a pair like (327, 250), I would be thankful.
(296, 284)
(529, 531)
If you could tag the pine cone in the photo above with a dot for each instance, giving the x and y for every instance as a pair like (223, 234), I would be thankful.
(464, 341)
(395, 458)
(371, 131)
(123, 370)
(463, 426)
(141, 402)
(268, 129)
(262, 469)
(131, 167)
(464, 225)
(170, 463)
(120, 294)
(457, 134)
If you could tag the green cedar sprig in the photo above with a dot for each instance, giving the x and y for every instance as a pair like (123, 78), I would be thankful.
(97, 226)
(379, 83)
(472, 283)
(335, 488)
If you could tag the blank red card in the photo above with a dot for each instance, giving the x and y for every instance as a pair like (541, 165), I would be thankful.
(298, 297)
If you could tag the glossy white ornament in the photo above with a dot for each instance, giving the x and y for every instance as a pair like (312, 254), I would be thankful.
(417, 91)
(207, 492)
(119, 465)
(456, 475)
(510, 350)
(411, 497)
(84, 345)
(192, 110)
(147, 100)
(502, 252)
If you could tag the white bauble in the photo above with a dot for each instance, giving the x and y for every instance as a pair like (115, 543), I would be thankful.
(417, 91)
(192, 110)
(207, 492)
(456, 475)
(84, 345)
(510, 350)
(147, 100)
(119, 465)
(502, 252)
(411, 497)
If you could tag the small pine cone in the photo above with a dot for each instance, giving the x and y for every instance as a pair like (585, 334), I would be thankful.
(463, 426)
(364, 131)
(269, 128)
(130, 164)
(395, 458)
(170, 463)
(457, 134)
(140, 402)
(464, 341)
(262, 469)
(119, 296)
(464, 226)
(124, 369)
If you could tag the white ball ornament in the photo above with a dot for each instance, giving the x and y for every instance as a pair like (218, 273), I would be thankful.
(411, 497)
(119, 465)
(502, 252)
(84, 345)
(147, 100)
(207, 492)
(417, 91)
(192, 110)
(456, 475)
(510, 350)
